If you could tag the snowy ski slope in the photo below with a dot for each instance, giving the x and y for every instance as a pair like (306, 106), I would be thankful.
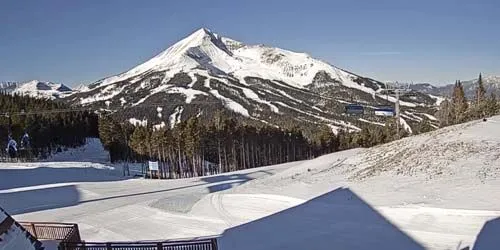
(432, 191)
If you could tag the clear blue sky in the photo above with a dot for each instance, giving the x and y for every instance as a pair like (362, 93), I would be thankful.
(82, 41)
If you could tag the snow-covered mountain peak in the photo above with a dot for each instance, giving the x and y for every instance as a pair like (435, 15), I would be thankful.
(258, 82)
(36, 88)
(200, 38)
(202, 49)
(222, 56)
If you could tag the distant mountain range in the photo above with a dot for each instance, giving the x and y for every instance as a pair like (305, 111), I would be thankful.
(491, 84)
(36, 88)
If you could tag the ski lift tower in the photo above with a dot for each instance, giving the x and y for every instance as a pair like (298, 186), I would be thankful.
(398, 90)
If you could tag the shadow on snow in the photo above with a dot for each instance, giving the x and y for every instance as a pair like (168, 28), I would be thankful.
(28, 177)
(39, 199)
(489, 236)
(335, 220)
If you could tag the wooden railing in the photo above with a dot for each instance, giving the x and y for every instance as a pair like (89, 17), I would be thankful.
(68, 236)
(64, 232)
(200, 244)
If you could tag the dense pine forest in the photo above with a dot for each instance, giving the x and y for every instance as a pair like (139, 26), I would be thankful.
(188, 148)
(51, 126)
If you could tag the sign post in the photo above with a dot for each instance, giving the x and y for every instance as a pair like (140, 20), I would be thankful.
(153, 166)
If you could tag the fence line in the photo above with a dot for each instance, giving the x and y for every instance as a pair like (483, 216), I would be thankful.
(69, 236)
(53, 231)
(204, 244)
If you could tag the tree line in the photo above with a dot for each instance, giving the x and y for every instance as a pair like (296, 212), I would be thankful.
(458, 109)
(189, 148)
(48, 131)
(195, 148)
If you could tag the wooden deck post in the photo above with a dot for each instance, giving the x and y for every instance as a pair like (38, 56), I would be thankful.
(77, 231)
(214, 244)
(34, 230)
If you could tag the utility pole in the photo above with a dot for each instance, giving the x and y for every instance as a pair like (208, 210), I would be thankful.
(386, 93)
(397, 111)
(397, 91)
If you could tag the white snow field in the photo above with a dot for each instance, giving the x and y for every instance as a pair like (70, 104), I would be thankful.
(438, 190)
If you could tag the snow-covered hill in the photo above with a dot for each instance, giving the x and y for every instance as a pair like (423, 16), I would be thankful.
(37, 89)
(205, 72)
(431, 191)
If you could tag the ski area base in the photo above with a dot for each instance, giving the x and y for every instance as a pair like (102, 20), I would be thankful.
(437, 190)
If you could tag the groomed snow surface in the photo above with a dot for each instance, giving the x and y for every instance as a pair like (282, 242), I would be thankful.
(432, 191)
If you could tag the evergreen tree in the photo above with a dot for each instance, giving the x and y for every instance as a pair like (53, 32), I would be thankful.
(480, 105)
(480, 91)
(492, 106)
(424, 126)
(48, 131)
(445, 113)
(459, 103)
(140, 142)
(192, 143)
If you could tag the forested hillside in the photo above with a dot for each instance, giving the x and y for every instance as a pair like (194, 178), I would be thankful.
(49, 124)
(459, 109)
(185, 149)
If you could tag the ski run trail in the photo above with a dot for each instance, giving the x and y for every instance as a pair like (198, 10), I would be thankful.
(439, 190)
